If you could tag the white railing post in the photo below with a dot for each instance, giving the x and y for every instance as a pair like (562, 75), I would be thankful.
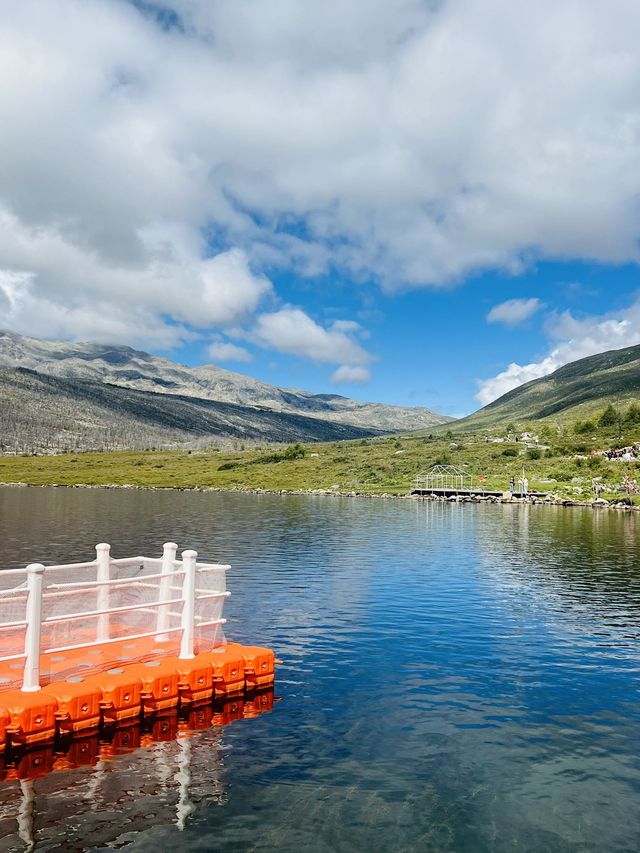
(31, 679)
(166, 582)
(189, 603)
(103, 573)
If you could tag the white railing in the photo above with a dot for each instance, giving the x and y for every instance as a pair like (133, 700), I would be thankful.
(156, 598)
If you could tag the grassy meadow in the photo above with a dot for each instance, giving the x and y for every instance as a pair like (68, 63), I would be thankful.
(366, 466)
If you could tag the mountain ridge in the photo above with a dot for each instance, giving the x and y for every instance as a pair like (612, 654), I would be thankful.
(572, 391)
(139, 370)
(61, 396)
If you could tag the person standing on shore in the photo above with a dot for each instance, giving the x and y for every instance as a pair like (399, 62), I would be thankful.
(512, 485)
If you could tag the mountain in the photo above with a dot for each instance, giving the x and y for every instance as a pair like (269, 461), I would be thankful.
(572, 392)
(40, 413)
(91, 395)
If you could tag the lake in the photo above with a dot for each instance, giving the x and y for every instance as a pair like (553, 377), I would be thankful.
(455, 678)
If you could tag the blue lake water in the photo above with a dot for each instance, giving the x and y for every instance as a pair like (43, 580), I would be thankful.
(456, 678)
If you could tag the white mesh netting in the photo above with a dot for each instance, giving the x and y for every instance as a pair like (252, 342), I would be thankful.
(89, 623)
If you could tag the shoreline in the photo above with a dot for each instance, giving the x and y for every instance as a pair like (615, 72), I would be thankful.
(549, 501)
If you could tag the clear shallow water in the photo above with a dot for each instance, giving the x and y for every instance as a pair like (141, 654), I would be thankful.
(457, 678)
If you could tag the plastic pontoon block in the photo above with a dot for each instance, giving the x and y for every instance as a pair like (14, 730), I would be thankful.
(159, 684)
(32, 716)
(259, 664)
(78, 704)
(121, 691)
(228, 670)
(195, 678)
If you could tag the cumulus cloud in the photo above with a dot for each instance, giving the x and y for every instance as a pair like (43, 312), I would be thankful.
(57, 288)
(290, 330)
(226, 351)
(575, 339)
(159, 162)
(512, 312)
(348, 373)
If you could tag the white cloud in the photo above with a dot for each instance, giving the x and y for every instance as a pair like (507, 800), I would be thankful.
(512, 312)
(407, 141)
(227, 291)
(225, 351)
(290, 330)
(577, 338)
(351, 373)
(58, 288)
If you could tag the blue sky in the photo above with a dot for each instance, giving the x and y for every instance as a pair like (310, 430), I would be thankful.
(397, 200)
(434, 348)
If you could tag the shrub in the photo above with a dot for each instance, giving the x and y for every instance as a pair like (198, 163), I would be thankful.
(509, 451)
(632, 415)
(586, 427)
(294, 451)
(609, 417)
(534, 453)
(227, 466)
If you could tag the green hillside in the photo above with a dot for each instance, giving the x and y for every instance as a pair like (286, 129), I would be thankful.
(574, 392)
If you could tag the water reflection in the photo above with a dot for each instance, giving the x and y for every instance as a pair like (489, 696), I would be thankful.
(105, 789)
(456, 678)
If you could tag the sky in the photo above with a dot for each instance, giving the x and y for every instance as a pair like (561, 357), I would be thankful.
(419, 202)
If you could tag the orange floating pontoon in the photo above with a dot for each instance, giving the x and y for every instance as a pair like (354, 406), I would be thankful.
(32, 716)
(106, 642)
(78, 704)
(195, 679)
(159, 684)
(259, 664)
(228, 670)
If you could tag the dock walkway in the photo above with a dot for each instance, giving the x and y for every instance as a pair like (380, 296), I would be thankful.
(472, 493)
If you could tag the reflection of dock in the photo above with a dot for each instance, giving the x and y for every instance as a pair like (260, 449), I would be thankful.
(158, 771)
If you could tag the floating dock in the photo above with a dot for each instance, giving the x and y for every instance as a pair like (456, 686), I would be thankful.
(111, 642)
